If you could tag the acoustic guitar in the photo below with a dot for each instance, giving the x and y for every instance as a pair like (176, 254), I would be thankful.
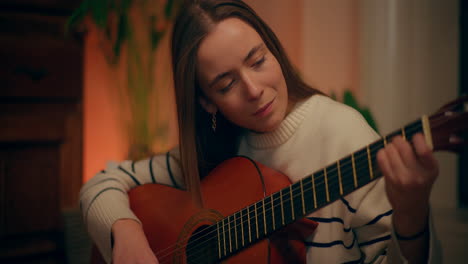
(237, 219)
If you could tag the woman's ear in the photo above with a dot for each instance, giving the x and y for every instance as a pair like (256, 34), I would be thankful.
(207, 105)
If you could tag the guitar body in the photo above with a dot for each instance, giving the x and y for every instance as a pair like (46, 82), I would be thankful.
(169, 216)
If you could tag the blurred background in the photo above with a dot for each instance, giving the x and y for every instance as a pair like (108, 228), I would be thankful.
(73, 103)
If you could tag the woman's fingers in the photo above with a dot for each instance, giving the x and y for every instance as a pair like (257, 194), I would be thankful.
(384, 163)
(424, 153)
(405, 150)
(399, 158)
(397, 167)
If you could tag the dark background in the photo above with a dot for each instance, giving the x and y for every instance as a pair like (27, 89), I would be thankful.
(463, 160)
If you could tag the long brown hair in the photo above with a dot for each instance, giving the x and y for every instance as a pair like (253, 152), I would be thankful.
(201, 149)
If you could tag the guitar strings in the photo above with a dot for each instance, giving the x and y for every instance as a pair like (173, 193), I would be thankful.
(319, 184)
(433, 122)
(198, 256)
(319, 181)
(253, 233)
(235, 219)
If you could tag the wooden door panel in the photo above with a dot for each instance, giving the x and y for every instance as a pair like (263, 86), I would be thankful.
(47, 69)
(32, 178)
(40, 128)
(44, 6)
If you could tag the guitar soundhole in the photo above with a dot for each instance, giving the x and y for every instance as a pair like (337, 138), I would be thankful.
(202, 246)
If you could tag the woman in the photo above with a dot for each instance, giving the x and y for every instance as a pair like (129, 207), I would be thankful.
(237, 93)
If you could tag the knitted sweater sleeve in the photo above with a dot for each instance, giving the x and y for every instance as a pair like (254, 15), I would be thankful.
(104, 200)
(371, 219)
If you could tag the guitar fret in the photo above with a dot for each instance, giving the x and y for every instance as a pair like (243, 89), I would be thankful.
(292, 202)
(224, 238)
(302, 198)
(385, 140)
(235, 231)
(273, 212)
(361, 167)
(340, 180)
(256, 218)
(307, 194)
(333, 182)
(354, 170)
(248, 219)
(327, 192)
(242, 228)
(264, 216)
(320, 188)
(369, 160)
(426, 127)
(403, 133)
(219, 242)
(229, 232)
(314, 191)
(282, 208)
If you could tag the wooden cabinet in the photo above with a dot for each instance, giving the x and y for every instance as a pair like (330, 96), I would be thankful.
(50, 7)
(40, 129)
(37, 60)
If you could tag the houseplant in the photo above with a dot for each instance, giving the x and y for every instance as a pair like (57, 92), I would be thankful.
(134, 40)
(349, 99)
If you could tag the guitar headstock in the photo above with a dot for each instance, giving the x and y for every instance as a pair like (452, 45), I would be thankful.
(449, 126)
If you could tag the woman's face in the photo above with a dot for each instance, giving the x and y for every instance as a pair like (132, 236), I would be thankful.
(241, 78)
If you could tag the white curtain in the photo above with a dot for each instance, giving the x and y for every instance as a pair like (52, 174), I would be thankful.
(409, 67)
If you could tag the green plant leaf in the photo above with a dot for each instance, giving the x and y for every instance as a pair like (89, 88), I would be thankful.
(99, 12)
(156, 37)
(77, 16)
(168, 8)
(350, 100)
(155, 34)
(368, 116)
(122, 33)
(125, 5)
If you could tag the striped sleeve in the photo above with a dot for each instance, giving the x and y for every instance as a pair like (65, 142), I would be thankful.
(371, 218)
(104, 200)
(358, 227)
(377, 240)
(372, 225)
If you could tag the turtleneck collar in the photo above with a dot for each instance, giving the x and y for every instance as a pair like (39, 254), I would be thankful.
(285, 130)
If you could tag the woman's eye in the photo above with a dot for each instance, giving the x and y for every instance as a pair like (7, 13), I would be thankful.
(259, 62)
(226, 88)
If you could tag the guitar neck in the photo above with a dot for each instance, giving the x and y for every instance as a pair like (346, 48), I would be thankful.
(259, 220)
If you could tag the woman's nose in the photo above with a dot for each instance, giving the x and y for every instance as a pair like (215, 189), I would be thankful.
(252, 89)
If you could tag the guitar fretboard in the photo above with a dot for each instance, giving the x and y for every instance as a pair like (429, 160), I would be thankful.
(261, 219)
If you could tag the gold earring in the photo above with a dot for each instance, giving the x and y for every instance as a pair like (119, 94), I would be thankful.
(213, 121)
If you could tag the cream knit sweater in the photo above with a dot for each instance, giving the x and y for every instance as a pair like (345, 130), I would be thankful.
(316, 133)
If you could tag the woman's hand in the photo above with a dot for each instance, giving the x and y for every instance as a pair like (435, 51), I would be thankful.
(409, 175)
(130, 244)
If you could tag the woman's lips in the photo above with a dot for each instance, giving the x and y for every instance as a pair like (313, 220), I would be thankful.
(265, 109)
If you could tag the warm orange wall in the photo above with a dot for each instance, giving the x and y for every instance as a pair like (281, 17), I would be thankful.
(331, 44)
(102, 134)
(285, 19)
(320, 37)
